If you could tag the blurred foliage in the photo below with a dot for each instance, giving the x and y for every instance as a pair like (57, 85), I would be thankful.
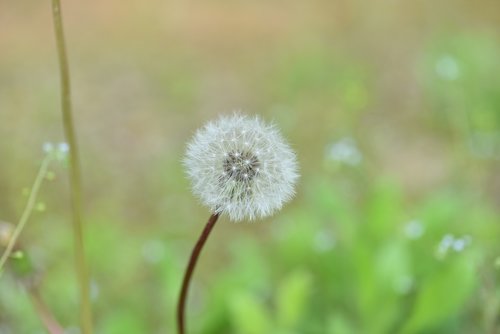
(328, 267)
(394, 113)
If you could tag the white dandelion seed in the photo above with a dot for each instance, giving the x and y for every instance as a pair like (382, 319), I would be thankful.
(241, 166)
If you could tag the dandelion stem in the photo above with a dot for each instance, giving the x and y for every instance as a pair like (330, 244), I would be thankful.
(30, 205)
(74, 173)
(190, 269)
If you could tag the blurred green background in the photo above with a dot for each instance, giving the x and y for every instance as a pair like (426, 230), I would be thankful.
(393, 108)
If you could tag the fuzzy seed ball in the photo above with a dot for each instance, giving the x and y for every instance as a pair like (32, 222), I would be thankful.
(242, 167)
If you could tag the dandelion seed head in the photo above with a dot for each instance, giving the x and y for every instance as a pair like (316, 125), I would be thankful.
(242, 167)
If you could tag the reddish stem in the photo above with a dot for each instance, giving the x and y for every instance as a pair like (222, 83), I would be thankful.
(46, 316)
(190, 269)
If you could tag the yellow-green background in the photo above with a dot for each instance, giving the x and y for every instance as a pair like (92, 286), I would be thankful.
(414, 84)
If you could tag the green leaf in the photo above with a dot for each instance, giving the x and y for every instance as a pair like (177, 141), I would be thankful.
(339, 324)
(249, 315)
(384, 209)
(292, 298)
(442, 295)
(123, 322)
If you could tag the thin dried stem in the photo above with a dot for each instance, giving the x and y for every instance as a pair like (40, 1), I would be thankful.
(74, 173)
(30, 205)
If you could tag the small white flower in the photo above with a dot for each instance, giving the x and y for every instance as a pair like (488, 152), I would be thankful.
(450, 242)
(414, 229)
(48, 147)
(240, 166)
(447, 68)
(344, 151)
(324, 241)
(63, 147)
